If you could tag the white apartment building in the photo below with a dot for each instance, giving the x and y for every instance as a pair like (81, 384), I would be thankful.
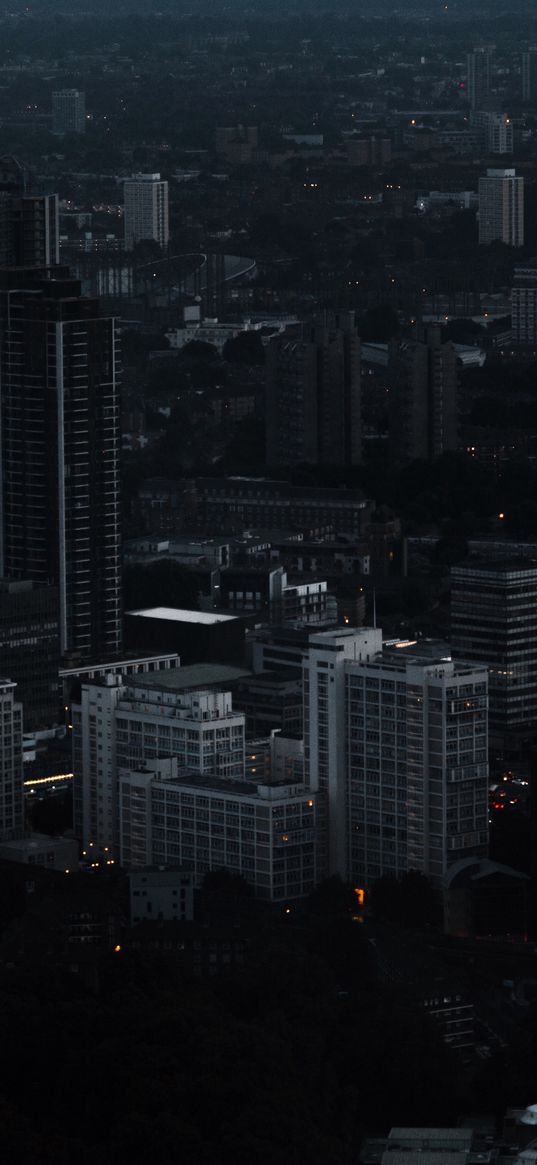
(266, 833)
(146, 210)
(11, 764)
(501, 208)
(325, 760)
(399, 743)
(122, 722)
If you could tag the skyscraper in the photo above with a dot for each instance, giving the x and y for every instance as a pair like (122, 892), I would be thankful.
(478, 78)
(494, 622)
(501, 208)
(59, 400)
(423, 402)
(11, 778)
(146, 210)
(68, 111)
(313, 403)
(529, 75)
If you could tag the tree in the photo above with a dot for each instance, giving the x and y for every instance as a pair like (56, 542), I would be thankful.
(245, 348)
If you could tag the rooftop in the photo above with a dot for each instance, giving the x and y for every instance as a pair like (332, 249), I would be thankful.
(181, 615)
(195, 675)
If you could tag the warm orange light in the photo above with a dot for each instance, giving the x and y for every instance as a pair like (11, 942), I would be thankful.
(502, 515)
(310, 803)
(360, 894)
(117, 949)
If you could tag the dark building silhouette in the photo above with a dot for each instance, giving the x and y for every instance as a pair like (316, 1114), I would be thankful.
(30, 648)
(423, 397)
(529, 75)
(60, 451)
(313, 395)
(478, 78)
(29, 225)
(494, 621)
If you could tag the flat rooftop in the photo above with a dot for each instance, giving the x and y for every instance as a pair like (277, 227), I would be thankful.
(195, 675)
(181, 615)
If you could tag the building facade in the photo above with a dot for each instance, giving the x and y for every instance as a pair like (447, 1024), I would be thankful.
(11, 763)
(313, 403)
(146, 210)
(529, 75)
(423, 401)
(398, 745)
(68, 111)
(501, 208)
(494, 623)
(126, 722)
(265, 833)
(524, 304)
(30, 649)
(60, 448)
(478, 71)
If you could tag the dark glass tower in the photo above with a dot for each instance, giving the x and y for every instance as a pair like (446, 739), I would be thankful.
(60, 446)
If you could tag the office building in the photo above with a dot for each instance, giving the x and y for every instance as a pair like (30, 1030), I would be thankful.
(30, 648)
(501, 208)
(478, 78)
(524, 304)
(60, 449)
(264, 833)
(235, 504)
(529, 75)
(146, 210)
(268, 591)
(29, 221)
(126, 722)
(398, 743)
(68, 112)
(494, 623)
(11, 778)
(423, 400)
(313, 402)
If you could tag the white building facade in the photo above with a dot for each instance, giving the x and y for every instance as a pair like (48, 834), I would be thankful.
(398, 745)
(124, 723)
(265, 833)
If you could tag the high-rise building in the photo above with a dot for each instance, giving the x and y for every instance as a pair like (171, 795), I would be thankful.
(11, 765)
(30, 648)
(146, 210)
(494, 623)
(68, 111)
(529, 75)
(423, 402)
(60, 446)
(29, 222)
(122, 723)
(524, 304)
(398, 743)
(313, 404)
(501, 208)
(478, 77)
(496, 131)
